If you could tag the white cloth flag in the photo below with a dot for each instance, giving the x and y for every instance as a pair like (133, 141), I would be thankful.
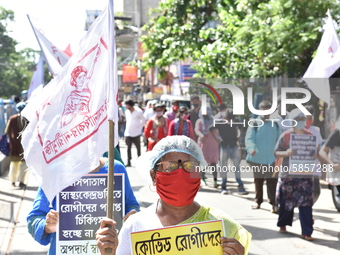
(37, 78)
(68, 131)
(54, 57)
(319, 70)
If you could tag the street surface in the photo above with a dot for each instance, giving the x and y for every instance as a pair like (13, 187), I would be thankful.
(15, 205)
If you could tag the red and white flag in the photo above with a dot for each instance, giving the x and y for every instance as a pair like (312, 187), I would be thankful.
(54, 57)
(323, 66)
(68, 50)
(37, 78)
(68, 131)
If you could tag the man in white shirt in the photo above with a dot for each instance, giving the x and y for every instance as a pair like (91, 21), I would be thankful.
(134, 125)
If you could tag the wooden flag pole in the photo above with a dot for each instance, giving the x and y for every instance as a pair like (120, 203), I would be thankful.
(110, 185)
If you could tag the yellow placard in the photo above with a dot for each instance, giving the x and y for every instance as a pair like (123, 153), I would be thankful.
(197, 238)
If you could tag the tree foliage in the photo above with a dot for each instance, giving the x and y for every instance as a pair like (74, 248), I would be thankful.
(243, 38)
(15, 67)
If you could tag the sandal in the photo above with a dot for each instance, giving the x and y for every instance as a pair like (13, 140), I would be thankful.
(283, 229)
(255, 206)
(308, 238)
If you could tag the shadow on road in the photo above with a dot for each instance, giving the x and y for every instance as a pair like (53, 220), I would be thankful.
(335, 212)
(15, 196)
(265, 234)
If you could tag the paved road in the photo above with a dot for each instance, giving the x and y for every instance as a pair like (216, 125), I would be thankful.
(15, 204)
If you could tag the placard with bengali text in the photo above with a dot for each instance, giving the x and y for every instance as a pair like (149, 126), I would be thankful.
(81, 208)
(302, 161)
(198, 238)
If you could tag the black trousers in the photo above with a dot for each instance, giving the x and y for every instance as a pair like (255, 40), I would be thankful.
(259, 179)
(129, 141)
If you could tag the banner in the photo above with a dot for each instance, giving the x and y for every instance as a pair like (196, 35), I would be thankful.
(68, 122)
(81, 207)
(324, 64)
(54, 57)
(198, 238)
(302, 161)
(37, 78)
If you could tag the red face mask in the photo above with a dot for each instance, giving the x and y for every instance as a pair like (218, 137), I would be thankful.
(177, 188)
(175, 108)
(309, 123)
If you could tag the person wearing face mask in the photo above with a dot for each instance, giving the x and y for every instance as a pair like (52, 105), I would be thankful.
(157, 127)
(222, 112)
(171, 115)
(230, 150)
(208, 141)
(181, 125)
(172, 165)
(260, 141)
(193, 114)
(134, 128)
(294, 190)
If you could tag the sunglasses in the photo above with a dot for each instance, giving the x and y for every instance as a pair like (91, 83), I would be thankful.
(189, 166)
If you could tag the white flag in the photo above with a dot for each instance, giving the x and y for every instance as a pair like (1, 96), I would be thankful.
(37, 78)
(69, 130)
(54, 57)
(319, 70)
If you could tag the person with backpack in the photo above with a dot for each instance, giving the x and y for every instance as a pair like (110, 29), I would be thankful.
(260, 142)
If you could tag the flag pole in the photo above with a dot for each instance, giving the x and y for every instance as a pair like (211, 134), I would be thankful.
(110, 208)
(110, 185)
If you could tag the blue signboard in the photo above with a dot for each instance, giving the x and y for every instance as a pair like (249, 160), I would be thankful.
(81, 208)
(187, 72)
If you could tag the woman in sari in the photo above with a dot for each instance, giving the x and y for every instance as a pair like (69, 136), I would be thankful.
(157, 127)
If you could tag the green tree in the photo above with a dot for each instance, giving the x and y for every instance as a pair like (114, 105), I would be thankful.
(243, 38)
(15, 67)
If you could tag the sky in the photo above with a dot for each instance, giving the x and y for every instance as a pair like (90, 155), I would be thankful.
(62, 21)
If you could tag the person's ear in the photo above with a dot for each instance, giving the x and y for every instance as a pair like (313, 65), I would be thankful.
(153, 177)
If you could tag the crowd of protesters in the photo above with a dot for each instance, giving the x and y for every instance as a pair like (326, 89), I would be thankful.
(267, 145)
(155, 121)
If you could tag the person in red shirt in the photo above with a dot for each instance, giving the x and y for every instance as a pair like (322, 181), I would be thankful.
(157, 127)
(181, 125)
